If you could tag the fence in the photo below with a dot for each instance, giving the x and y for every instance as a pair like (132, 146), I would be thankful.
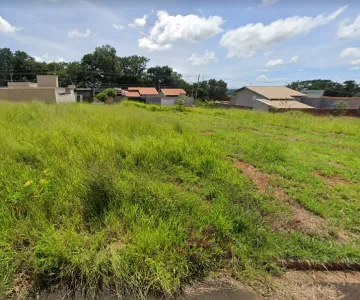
(169, 101)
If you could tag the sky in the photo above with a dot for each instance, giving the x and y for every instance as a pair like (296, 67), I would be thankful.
(249, 42)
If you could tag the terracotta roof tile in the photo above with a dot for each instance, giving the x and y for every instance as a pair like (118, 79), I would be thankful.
(173, 92)
(132, 94)
(144, 90)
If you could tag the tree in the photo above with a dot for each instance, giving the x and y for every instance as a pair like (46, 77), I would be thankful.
(100, 67)
(6, 58)
(348, 89)
(23, 67)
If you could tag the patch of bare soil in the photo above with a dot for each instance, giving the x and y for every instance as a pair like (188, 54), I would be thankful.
(331, 181)
(316, 285)
(219, 288)
(259, 178)
(341, 166)
(207, 132)
(302, 220)
(22, 286)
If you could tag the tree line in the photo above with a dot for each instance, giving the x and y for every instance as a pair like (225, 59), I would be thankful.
(333, 89)
(104, 68)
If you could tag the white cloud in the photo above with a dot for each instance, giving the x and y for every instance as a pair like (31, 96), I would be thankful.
(139, 22)
(262, 78)
(355, 52)
(151, 46)
(76, 33)
(349, 30)
(60, 59)
(269, 2)
(355, 62)
(168, 29)
(200, 60)
(293, 59)
(275, 63)
(117, 26)
(6, 27)
(262, 70)
(355, 68)
(244, 41)
(42, 58)
(267, 79)
(38, 59)
(267, 53)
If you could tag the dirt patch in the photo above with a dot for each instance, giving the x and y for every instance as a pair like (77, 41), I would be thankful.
(339, 165)
(302, 219)
(259, 178)
(308, 223)
(316, 285)
(331, 181)
(207, 132)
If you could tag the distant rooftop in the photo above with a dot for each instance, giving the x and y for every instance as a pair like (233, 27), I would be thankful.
(173, 92)
(275, 92)
(144, 90)
(286, 104)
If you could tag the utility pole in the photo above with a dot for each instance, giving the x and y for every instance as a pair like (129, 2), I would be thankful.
(197, 87)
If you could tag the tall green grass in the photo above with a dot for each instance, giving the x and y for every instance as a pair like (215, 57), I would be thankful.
(138, 200)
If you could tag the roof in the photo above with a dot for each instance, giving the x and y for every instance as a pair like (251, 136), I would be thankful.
(131, 94)
(144, 90)
(287, 104)
(173, 92)
(275, 92)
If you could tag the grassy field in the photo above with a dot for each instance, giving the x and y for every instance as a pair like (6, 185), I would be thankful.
(145, 199)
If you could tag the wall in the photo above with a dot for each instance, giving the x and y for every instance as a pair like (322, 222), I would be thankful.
(69, 97)
(47, 81)
(244, 97)
(167, 101)
(21, 84)
(28, 94)
(327, 103)
(260, 106)
(153, 100)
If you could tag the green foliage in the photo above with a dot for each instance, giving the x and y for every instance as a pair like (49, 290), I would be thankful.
(110, 92)
(102, 96)
(138, 198)
(339, 108)
(346, 89)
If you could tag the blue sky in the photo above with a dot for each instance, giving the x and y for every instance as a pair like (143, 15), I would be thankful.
(258, 42)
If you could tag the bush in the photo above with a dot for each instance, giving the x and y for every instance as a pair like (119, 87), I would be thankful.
(340, 108)
(102, 96)
(110, 92)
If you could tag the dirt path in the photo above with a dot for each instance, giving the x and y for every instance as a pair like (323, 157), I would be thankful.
(316, 285)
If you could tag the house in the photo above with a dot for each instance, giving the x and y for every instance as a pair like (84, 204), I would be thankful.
(46, 89)
(144, 91)
(270, 96)
(172, 93)
(131, 94)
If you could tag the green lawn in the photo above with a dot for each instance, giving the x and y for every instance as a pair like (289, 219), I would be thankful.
(145, 199)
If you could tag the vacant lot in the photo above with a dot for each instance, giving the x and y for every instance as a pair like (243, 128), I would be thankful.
(145, 199)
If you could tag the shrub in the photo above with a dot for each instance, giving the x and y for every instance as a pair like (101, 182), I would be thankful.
(340, 108)
(102, 96)
(110, 92)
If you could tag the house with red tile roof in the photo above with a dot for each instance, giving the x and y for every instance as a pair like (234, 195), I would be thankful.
(144, 91)
(172, 92)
